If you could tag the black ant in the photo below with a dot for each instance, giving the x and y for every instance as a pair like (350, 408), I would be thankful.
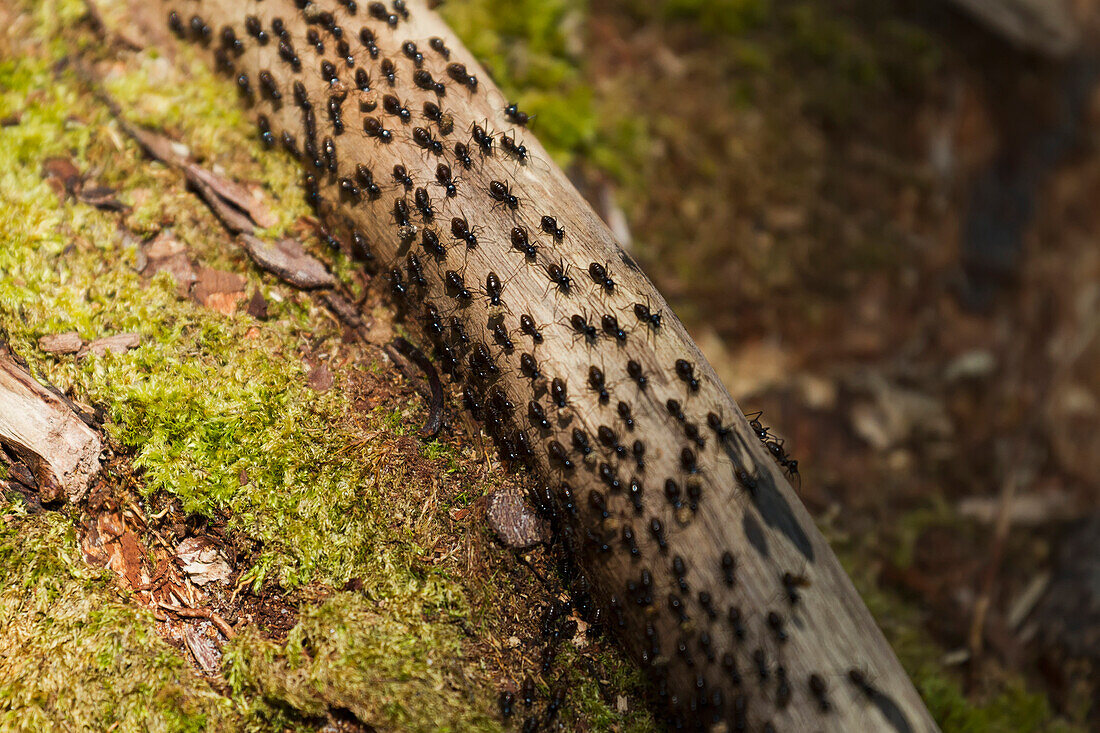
(313, 38)
(362, 80)
(436, 43)
(556, 273)
(516, 150)
(374, 128)
(493, 288)
(483, 139)
(365, 178)
(521, 242)
(500, 335)
(456, 285)
(791, 585)
(462, 155)
(328, 72)
(634, 370)
(393, 106)
(268, 87)
(582, 327)
(457, 71)
(461, 230)
(244, 86)
(336, 113)
(424, 203)
(598, 384)
(389, 71)
(431, 320)
(722, 431)
(686, 372)
(558, 393)
(433, 112)
(400, 175)
(636, 485)
(611, 327)
(289, 55)
(459, 331)
(550, 226)
(266, 137)
(529, 367)
(424, 139)
(443, 178)
(412, 53)
(397, 283)
(366, 37)
(401, 212)
(819, 690)
(378, 11)
(647, 316)
(423, 79)
(429, 240)
(527, 325)
(537, 416)
(416, 270)
(507, 701)
(329, 149)
(762, 432)
(513, 113)
(729, 568)
(601, 276)
(558, 454)
(625, 413)
(580, 442)
(399, 6)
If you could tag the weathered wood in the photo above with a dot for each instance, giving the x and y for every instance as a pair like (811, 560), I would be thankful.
(40, 428)
(709, 494)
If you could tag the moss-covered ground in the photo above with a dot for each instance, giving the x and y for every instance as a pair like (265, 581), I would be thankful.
(326, 502)
(408, 616)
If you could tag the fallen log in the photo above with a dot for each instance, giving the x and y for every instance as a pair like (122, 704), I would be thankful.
(692, 545)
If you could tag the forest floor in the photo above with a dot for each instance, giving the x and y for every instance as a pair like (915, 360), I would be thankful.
(799, 182)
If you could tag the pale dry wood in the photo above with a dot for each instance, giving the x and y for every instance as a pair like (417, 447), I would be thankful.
(768, 531)
(41, 429)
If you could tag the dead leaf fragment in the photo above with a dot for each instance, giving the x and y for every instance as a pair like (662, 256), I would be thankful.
(212, 282)
(202, 562)
(320, 378)
(288, 260)
(167, 254)
(202, 649)
(61, 343)
(118, 344)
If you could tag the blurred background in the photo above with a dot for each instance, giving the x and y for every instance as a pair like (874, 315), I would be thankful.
(880, 219)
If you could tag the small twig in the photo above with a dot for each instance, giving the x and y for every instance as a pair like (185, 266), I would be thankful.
(435, 406)
(184, 612)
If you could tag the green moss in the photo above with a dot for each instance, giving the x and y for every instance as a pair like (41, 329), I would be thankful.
(76, 655)
(368, 655)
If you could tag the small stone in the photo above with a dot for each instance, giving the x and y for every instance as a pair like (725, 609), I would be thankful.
(516, 524)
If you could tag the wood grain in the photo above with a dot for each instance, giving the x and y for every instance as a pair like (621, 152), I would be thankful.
(40, 429)
(758, 520)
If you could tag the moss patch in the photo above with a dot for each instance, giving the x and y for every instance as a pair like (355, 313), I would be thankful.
(76, 655)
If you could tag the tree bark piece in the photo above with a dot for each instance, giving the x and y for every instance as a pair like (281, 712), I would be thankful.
(694, 548)
(38, 427)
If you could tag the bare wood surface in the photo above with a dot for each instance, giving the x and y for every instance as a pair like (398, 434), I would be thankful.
(45, 434)
(798, 647)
